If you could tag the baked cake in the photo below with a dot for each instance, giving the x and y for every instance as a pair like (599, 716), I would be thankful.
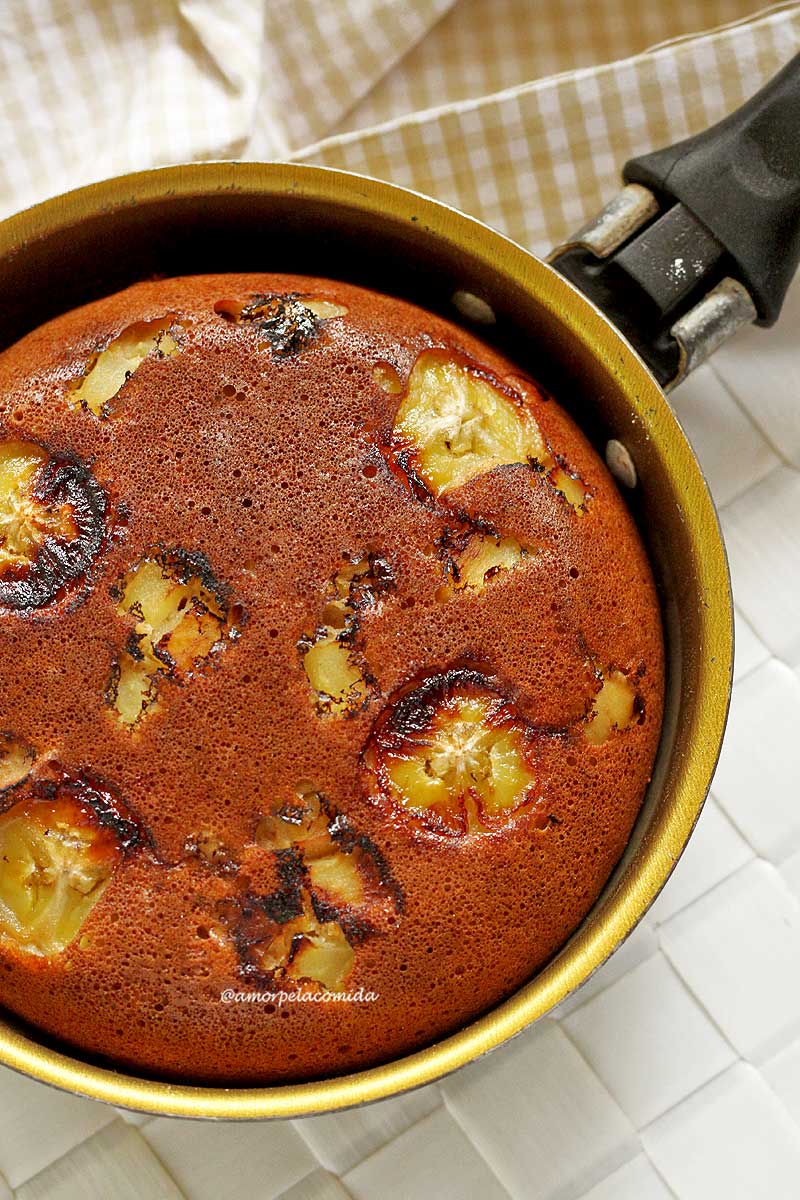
(331, 666)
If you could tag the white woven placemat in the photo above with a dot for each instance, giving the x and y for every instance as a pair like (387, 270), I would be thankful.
(676, 1071)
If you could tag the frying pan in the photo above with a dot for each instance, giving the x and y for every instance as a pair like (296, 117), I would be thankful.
(704, 237)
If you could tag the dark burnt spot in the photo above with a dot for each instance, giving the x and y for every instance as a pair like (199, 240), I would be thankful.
(369, 856)
(58, 563)
(133, 645)
(404, 466)
(415, 708)
(249, 926)
(285, 322)
(184, 565)
(283, 905)
(112, 687)
(367, 587)
(356, 927)
(253, 922)
(291, 874)
(294, 814)
(107, 806)
(93, 796)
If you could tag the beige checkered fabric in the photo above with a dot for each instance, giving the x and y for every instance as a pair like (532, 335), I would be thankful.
(536, 160)
(92, 88)
(486, 46)
(97, 88)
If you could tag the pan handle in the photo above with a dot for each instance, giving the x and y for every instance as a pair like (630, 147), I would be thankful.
(705, 237)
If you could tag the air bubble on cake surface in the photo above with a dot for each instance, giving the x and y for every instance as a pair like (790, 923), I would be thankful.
(52, 523)
(613, 708)
(183, 616)
(455, 754)
(113, 366)
(474, 559)
(289, 323)
(60, 845)
(16, 760)
(335, 669)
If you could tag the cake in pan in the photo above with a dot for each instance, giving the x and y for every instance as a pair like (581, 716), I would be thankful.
(331, 678)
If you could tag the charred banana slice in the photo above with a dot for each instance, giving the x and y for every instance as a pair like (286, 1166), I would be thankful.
(456, 422)
(614, 707)
(304, 824)
(288, 324)
(472, 560)
(310, 951)
(183, 616)
(59, 848)
(52, 524)
(112, 367)
(336, 892)
(336, 672)
(282, 938)
(455, 754)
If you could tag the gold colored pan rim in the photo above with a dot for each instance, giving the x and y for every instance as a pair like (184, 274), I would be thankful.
(702, 724)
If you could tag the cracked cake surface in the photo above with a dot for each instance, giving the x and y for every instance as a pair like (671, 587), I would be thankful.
(330, 662)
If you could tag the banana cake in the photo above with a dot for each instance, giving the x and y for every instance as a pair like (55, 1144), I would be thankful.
(331, 678)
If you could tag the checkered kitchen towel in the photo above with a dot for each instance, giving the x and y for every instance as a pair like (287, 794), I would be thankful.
(675, 1072)
(92, 88)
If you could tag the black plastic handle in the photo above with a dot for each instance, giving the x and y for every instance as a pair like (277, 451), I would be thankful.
(741, 178)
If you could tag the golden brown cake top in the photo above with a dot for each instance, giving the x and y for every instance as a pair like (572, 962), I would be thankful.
(330, 664)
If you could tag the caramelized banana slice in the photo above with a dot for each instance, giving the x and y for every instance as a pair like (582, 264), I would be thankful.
(310, 951)
(52, 524)
(336, 672)
(336, 891)
(455, 754)
(59, 847)
(474, 559)
(324, 309)
(293, 823)
(289, 323)
(16, 760)
(183, 616)
(571, 487)
(209, 848)
(322, 954)
(110, 368)
(613, 707)
(387, 378)
(281, 938)
(305, 824)
(454, 424)
(336, 677)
